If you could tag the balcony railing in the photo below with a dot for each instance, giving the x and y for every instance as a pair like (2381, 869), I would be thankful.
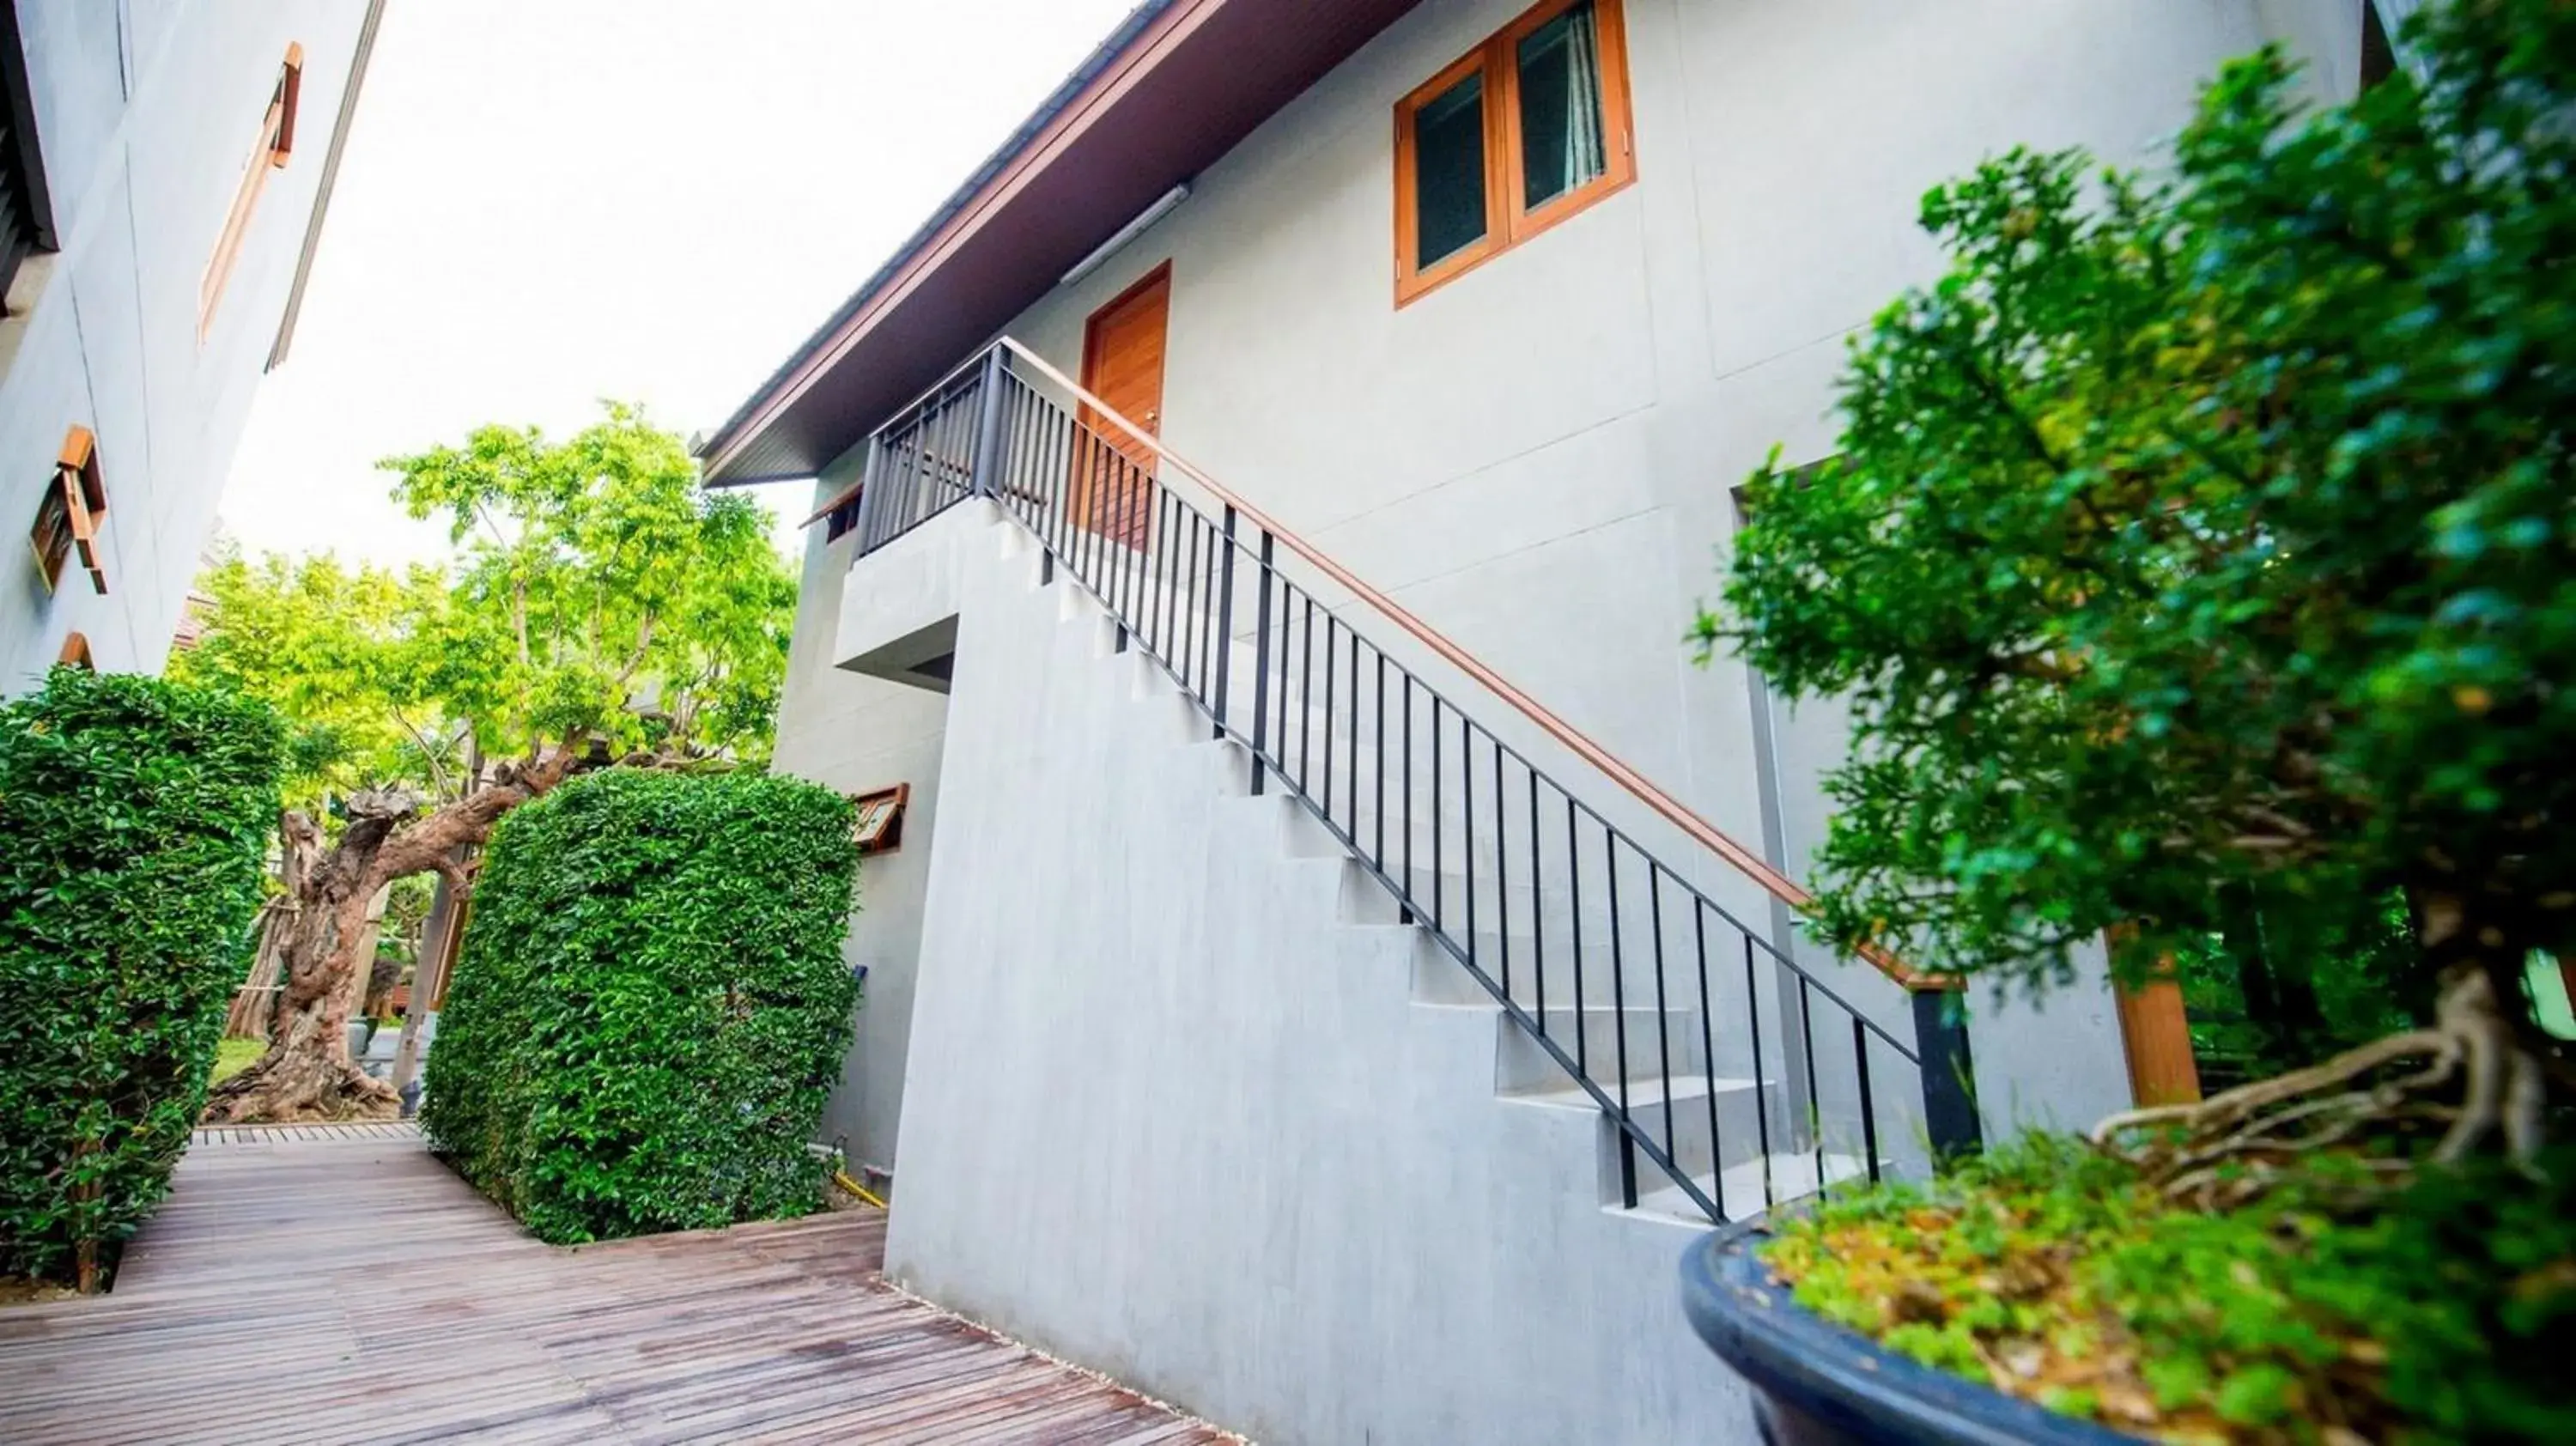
(1739, 1074)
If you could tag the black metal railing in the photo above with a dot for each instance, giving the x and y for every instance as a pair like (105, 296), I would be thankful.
(1740, 1073)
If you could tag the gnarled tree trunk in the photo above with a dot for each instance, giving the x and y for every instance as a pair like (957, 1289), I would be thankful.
(307, 1073)
(299, 854)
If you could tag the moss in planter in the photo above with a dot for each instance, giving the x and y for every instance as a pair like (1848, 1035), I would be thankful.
(2446, 1313)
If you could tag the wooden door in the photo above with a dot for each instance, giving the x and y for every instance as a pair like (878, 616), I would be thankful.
(1122, 365)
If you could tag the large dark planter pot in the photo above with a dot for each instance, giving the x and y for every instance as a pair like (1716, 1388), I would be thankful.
(1816, 1384)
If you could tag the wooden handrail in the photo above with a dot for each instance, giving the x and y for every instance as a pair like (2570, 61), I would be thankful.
(1673, 811)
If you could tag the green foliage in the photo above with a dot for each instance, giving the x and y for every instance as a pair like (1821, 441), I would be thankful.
(2211, 529)
(595, 588)
(2445, 1311)
(598, 588)
(652, 1004)
(133, 814)
(352, 656)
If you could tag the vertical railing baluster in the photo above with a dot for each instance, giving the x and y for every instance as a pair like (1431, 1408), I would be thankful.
(1204, 566)
(1062, 459)
(1574, 916)
(1467, 824)
(1326, 796)
(1306, 695)
(1406, 797)
(1761, 1086)
(1261, 666)
(1224, 618)
(1173, 541)
(1127, 560)
(1868, 1109)
(1353, 772)
(1708, 1054)
(1122, 574)
(1502, 871)
(1815, 1102)
(1092, 510)
(1279, 695)
(1140, 545)
(1439, 822)
(1663, 1010)
(1619, 1018)
(1538, 910)
(1194, 615)
(1380, 748)
(1025, 452)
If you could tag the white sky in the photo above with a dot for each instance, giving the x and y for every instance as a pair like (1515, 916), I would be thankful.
(548, 202)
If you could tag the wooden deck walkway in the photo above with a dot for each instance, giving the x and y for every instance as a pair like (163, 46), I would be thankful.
(329, 1286)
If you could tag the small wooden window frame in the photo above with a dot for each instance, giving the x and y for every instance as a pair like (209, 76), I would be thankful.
(842, 517)
(1509, 221)
(75, 653)
(275, 147)
(878, 827)
(69, 513)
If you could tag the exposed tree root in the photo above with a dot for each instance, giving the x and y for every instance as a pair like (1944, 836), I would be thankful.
(286, 1089)
(2478, 1079)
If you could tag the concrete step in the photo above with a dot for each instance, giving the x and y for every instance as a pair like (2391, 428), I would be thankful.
(1704, 1123)
(1742, 1189)
(1654, 1043)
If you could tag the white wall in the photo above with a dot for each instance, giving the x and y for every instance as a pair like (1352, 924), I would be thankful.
(146, 112)
(1193, 1121)
(1536, 457)
(858, 734)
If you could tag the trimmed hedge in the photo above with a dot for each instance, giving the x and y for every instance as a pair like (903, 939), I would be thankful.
(134, 824)
(651, 1005)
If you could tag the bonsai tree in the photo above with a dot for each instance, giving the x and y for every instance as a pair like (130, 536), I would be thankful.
(600, 610)
(2213, 532)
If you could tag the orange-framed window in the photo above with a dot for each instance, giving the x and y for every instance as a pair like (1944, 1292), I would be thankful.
(69, 513)
(1525, 130)
(276, 144)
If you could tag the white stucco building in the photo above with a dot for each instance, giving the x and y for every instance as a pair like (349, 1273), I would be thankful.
(1340, 943)
(166, 165)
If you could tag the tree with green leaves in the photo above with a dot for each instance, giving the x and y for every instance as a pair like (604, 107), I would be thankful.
(600, 609)
(2212, 531)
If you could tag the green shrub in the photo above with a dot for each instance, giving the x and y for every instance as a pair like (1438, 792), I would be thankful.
(134, 819)
(651, 1006)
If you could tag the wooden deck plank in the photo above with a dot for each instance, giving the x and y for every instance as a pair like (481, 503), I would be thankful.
(343, 1272)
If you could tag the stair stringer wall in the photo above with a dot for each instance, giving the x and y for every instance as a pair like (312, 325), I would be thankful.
(1173, 1111)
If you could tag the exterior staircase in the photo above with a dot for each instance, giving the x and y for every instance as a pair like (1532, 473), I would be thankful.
(1705, 1108)
(1715, 1072)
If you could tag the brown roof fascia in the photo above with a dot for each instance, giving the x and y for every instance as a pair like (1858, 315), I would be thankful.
(1143, 53)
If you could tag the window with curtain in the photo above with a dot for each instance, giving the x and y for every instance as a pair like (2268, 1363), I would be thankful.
(1449, 150)
(1520, 133)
